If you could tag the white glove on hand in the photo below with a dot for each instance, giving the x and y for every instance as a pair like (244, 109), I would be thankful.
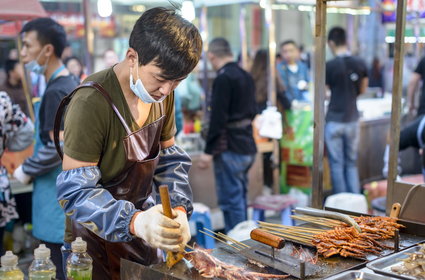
(158, 230)
(21, 176)
(184, 227)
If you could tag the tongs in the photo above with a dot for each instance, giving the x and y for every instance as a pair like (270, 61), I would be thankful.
(328, 214)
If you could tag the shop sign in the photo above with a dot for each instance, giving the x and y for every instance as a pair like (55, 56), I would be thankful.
(74, 24)
(8, 29)
(412, 6)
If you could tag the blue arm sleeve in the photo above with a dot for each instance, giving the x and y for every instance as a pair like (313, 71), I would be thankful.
(173, 171)
(88, 203)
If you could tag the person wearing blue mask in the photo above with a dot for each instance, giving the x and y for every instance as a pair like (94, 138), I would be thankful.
(43, 42)
(119, 148)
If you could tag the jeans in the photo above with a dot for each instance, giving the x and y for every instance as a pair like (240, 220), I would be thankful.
(231, 179)
(342, 141)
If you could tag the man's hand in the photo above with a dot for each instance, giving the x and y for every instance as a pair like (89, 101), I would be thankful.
(205, 161)
(21, 176)
(158, 230)
(184, 226)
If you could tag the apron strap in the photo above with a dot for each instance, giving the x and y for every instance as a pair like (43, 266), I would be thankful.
(65, 101)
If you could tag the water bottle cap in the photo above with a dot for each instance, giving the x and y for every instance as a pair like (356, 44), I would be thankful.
(9, 259)
(79, 245)
(42, 252)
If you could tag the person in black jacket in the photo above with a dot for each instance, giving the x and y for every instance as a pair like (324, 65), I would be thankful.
(229, 141)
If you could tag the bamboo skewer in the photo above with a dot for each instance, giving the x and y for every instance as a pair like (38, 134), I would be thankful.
(292, 237)
(233, 240)
(190, 247)
(227, 238)
(316, 220)
(301, 229)
(234, 247)
(293, 232)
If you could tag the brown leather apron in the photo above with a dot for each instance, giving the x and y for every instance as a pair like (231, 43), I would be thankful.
(133, 184)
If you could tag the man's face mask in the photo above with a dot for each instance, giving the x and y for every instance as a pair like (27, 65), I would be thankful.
(139, 89)
(34, 67)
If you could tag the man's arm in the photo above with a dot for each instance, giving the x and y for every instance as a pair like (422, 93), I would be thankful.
(70, 163)
(411, 90)
(173, 170)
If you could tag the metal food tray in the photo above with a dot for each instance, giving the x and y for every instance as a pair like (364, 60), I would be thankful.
(357, 275)
(383, 265)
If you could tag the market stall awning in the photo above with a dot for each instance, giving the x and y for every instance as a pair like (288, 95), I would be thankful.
(24, 10)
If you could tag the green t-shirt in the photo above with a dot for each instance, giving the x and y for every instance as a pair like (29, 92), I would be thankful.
(93, 130)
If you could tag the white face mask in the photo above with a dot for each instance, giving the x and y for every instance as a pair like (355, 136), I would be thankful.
(140, 91)
(34, 67)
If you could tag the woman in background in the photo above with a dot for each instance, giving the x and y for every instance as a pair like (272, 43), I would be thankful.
(75, 67)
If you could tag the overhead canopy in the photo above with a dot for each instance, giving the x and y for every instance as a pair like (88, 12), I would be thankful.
(21, 10)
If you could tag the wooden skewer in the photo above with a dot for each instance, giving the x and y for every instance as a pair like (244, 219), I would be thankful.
(294, 232)
(190, 247)
(234, 247)
(301, 228)
(309, 237)
(316, 221)
(291, 236)
(321, 221)
(295, 238)
(298, 230)
(227, 238)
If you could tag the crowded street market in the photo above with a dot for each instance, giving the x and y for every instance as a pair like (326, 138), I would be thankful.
(212, 139)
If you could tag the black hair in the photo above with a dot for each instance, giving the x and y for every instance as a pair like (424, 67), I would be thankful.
(338, 36)
(9, 65)
(288, 42)
(48, 32)
(220, 47)
(68, 59)
(171, 42)
(259, 72)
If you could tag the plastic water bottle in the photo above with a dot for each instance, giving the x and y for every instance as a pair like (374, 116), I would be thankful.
(9, 267)
(42, 268)
(79, 263)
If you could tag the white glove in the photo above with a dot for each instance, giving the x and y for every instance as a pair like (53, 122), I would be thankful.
(21, 176)
(184, 227)
(158, 230)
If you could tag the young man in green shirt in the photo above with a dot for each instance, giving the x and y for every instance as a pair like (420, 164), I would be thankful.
(119, 143)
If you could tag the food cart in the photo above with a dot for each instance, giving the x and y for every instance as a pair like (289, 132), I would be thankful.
(410, 230)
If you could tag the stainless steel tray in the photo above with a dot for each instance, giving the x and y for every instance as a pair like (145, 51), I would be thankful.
(383, 265)
(357, 275)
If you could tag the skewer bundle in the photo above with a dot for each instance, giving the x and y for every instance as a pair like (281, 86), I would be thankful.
(341, 239)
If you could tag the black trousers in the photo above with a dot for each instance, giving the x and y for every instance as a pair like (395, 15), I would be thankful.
(56, 257)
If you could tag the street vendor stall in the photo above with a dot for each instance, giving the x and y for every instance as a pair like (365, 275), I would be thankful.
(325, 244)
(330, 244)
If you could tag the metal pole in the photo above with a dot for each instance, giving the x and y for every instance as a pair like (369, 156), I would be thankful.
(243, 38)
(270, 26)
(319, 108)
(88, 36)
(396, 98)
(204, 34)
